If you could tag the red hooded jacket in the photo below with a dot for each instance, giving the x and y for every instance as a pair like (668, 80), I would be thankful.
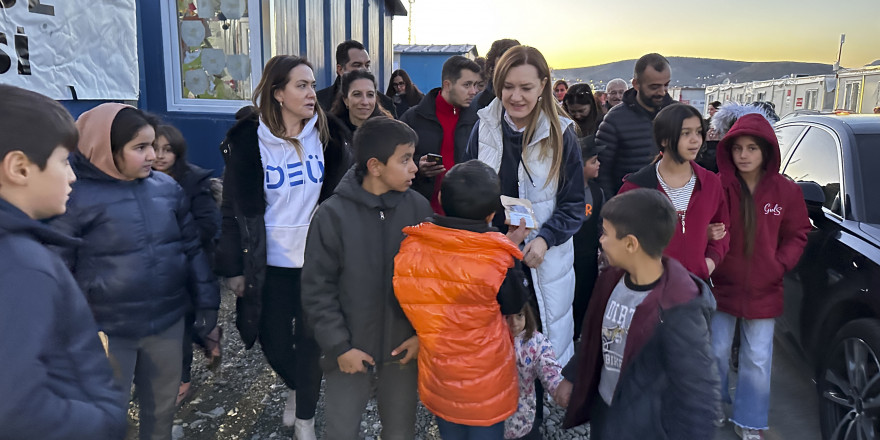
(692, 247)
(746, 286)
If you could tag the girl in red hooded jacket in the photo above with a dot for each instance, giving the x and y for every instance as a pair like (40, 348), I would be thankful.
(768, 232)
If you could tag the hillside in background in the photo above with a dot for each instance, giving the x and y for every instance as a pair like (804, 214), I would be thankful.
(696, 71)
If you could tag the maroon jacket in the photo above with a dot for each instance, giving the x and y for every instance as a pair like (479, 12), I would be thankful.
(707, 205)
(751, 286)
(668, 376)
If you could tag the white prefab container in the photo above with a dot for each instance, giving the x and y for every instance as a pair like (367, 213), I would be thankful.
(695, 96)
(858, 90)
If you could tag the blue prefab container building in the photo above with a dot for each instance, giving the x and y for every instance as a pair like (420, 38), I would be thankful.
(424, 62)
(198, 61)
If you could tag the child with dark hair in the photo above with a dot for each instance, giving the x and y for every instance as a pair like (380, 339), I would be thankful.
(644, 363)
(56, 381)
(140, 263)
(454, 277)
(586, 240)
(347, 295)
(768, 229)
(694, 191)
(196, 184)
(535, 361)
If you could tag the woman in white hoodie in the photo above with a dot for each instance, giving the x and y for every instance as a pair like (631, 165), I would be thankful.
(281, 162)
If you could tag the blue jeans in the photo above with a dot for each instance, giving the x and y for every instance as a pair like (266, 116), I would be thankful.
(454, 431)
(751, 402)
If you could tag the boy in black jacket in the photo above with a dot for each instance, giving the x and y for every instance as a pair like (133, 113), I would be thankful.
(347, 292)
(56, 382)
(586, 240)
(644, 363)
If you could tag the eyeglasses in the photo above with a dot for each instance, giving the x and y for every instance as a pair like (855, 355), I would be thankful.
(398, 84)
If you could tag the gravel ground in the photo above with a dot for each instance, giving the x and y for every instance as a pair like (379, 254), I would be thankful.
(245, 399)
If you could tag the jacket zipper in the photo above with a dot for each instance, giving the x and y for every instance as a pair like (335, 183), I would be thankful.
(384, 239)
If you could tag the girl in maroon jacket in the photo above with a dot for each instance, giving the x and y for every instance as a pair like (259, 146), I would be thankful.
(694, 191)
(768, 232)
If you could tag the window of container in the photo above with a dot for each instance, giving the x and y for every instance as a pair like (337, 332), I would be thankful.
(213, 53)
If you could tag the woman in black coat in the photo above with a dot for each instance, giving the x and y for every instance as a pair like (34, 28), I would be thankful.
(283, 157)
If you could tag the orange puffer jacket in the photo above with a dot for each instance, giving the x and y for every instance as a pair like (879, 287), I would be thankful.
(446, 281)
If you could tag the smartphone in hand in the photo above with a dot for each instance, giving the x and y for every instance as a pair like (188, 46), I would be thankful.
(435, 158)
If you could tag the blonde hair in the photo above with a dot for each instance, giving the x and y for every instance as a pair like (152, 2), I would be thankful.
(276, 75)
(552, 145)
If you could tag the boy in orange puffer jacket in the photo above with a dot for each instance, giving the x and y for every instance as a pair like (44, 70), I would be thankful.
(455, 277)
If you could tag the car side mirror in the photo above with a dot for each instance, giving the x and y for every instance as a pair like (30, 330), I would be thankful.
(813, 196)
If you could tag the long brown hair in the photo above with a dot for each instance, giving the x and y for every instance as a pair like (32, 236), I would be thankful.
(412, 95)
(276, 75)
(747, 211)
(582, 94)
(339, 109)
(519, 56)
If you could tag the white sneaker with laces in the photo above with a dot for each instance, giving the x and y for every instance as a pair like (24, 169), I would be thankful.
(305, 429)
(289, 416)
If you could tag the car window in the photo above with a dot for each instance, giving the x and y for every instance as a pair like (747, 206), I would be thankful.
(869, 160)
(816, 160)
(787, 135)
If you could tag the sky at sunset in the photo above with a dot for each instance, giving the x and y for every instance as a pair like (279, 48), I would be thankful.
(577, 33)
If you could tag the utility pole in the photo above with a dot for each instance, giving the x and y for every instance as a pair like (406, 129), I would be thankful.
(837, 70)
(839, 51)
(409, 30)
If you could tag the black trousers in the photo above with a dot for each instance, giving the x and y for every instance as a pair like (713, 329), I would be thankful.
(287, 343)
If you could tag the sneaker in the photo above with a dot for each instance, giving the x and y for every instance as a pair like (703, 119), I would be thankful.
(748, 434)
(305, 429)
(289, 416)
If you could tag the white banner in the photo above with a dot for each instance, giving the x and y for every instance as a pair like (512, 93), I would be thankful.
(53, 46)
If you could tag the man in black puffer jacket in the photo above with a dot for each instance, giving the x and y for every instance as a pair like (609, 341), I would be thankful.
(644, 368)
(627, 130)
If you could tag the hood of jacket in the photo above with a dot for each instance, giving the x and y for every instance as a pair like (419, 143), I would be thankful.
(493, 116)
(630, 99)
(755, 125)
(14, 221)
(350, 188)
(198, 173)
(728, 114)
(94, 137)
(269, 139)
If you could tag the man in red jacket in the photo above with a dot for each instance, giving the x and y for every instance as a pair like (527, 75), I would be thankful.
(442, 127)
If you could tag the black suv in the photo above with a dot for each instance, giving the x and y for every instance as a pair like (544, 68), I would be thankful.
(832, 298)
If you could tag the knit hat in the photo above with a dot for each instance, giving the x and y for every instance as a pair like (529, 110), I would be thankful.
(589, 147)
